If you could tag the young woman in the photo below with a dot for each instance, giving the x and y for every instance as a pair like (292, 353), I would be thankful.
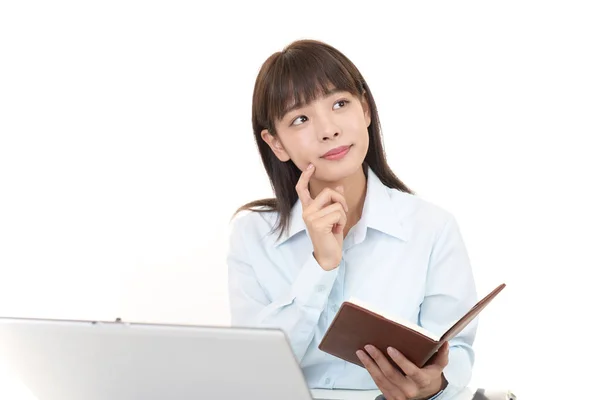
(342, 224)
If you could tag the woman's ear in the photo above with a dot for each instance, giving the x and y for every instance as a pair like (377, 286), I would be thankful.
(275, 145)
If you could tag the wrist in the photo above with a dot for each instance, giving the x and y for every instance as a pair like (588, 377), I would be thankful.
(437, 388)
(327, 265)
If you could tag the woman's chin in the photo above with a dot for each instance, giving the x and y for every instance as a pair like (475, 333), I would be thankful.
(337, 172)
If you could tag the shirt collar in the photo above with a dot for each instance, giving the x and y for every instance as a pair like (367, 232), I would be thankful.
(296, 224)
(379, 213)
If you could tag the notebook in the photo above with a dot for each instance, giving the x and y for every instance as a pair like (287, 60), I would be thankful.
(357, 324)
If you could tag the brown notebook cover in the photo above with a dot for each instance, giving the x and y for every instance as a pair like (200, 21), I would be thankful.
(354, 327)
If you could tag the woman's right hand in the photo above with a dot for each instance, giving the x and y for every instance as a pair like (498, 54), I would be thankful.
(325, 219)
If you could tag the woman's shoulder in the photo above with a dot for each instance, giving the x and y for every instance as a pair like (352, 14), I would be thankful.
(253, 224)
(416, 211)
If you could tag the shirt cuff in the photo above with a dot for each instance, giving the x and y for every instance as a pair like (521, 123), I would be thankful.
(438, 394)
(313, 284)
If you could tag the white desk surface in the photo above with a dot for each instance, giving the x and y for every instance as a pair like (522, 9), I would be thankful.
(338, 394)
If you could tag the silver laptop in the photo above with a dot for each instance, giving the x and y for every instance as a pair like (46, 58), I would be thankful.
(87, 360)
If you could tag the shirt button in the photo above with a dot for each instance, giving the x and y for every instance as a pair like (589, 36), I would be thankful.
(335, 308)
(321, 288)
(327, 381)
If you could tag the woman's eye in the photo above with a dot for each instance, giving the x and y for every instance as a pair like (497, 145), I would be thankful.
(340, 103)
(299, 120)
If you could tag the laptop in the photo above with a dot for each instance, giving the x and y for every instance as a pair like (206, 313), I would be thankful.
(95, 360)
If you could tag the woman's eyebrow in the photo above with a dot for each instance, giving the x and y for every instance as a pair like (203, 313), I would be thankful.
(295, 106)
(292, 107)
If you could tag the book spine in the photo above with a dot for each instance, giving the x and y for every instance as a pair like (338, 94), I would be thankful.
(430, 354)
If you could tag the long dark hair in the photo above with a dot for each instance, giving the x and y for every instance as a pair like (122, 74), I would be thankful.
(300, 73)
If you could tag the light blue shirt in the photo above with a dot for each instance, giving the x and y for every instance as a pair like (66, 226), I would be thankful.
(405, 257)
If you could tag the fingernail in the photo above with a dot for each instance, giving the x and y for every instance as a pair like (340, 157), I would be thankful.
(310, 166)
(392, 351)
(370, 348)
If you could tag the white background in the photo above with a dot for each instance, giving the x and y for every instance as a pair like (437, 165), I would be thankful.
(126, 144)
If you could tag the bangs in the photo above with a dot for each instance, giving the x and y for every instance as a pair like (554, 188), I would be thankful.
(300, 75)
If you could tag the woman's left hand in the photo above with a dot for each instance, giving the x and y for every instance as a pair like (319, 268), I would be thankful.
(418, 383)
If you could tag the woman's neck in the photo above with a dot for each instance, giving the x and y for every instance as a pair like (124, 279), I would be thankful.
(355, 190)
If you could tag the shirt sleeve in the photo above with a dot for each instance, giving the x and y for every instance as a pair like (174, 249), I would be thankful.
(450, 293)
(295, 311)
